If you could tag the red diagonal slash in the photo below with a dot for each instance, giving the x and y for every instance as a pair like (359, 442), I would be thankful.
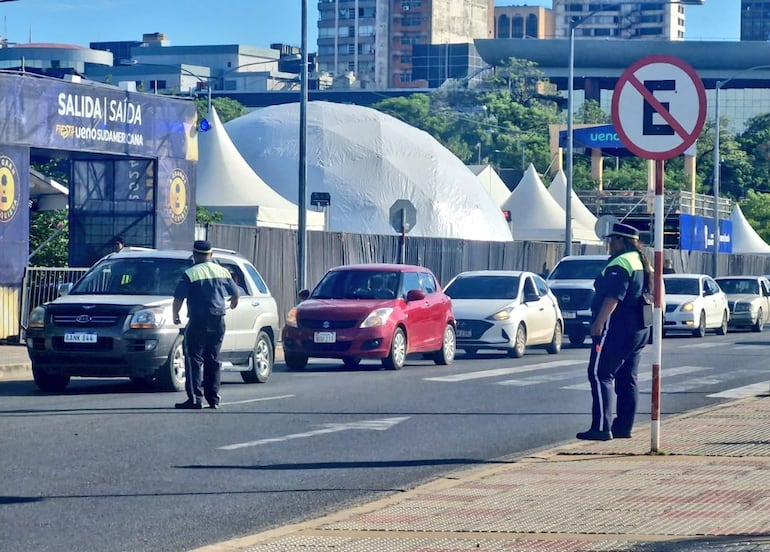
(660, 109)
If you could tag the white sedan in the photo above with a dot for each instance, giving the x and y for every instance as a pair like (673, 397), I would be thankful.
(749, 300)
(694, 303)
(504, 310)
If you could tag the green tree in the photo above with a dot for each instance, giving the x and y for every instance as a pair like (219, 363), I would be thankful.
(49, 230)
(754, 141)
(227, 108)
(756, 209)
(205, 216)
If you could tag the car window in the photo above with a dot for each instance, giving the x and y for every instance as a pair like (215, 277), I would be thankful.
(411, 281)
(529, 287)
(132, 276)
(237, 276)
(542, 287)
(709, 287)
(578, 269)
(257, 278)
(739, 285)
(483, 287)
(682, 286)
(428, 283)
(358, 284)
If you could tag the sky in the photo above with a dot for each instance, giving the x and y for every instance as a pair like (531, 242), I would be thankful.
(248, 22)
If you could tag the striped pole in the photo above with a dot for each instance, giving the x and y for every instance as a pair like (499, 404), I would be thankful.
(657, 321)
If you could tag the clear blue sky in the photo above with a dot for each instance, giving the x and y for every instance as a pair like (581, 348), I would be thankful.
(250, 22)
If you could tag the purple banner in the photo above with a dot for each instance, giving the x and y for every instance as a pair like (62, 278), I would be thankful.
(14, 213)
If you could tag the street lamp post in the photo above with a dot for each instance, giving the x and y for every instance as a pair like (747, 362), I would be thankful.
(718, 163)
(573, 24)
(302, 185)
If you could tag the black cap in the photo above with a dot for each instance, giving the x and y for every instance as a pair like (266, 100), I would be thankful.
(624, 230)
(202, 246)
(118, 239)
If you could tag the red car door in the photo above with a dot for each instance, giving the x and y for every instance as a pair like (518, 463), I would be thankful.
(417, 315)
(438, 304)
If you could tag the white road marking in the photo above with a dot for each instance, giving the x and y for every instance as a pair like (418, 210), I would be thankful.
(743, 392)
(277, 397)
(504, 371)
(646, 375)
(376, 425)
(704, 345)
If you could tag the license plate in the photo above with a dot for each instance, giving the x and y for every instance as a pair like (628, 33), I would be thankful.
(79, 337)
(463, 333)
(325, 337)
(570, 315)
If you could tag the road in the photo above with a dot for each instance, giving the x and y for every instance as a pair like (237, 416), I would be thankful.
(108, 466)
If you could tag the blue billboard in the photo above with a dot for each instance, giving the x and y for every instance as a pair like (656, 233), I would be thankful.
(696, 233)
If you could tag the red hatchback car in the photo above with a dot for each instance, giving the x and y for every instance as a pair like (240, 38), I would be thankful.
(383, 311)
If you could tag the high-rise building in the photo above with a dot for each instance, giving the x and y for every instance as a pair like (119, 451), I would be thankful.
(755, 20)
(523, 22)
(369, 42)
(628, 20)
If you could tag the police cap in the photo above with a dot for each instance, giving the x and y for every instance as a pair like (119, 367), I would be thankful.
(202, 247)
(624, 230)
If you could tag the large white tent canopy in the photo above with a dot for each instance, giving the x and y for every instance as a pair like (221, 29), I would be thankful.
(491, 182)
(226, 184)
(745, 238)
(366, 161)
(536, 216)
(580, 213)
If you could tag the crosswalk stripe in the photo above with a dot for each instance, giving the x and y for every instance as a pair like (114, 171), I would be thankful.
(504, 371)
(743, 392)
(703, 345)
(646, 375)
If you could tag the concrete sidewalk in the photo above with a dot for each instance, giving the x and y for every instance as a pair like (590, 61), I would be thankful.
(707, 489)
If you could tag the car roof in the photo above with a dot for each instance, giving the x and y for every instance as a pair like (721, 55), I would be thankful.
(509, 273)
(585, 258)
(382, 266)
(144, 253)
(685, 275)
(741, 278)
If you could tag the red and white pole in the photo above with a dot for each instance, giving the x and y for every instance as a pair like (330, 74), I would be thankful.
(657, 321)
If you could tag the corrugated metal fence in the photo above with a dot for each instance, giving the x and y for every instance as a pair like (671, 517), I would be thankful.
(274, 252)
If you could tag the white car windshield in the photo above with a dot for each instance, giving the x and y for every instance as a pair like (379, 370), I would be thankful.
(484, 287)
(739, 285)
(134, 276)
(682, 286)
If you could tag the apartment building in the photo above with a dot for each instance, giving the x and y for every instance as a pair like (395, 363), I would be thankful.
(523, 22)
(650, 20)
(369, 42)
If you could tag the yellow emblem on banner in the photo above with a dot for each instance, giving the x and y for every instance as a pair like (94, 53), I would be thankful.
(177, 198)
(9, 189)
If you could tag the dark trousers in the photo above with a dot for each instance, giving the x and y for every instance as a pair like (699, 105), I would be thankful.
(202, 343)
(614, 362)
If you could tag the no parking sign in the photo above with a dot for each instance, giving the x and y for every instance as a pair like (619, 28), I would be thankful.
(659, 107)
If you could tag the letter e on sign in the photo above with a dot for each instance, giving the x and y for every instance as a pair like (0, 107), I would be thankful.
(659, 107)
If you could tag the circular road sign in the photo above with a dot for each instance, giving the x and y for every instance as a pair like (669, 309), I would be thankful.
(658, 107)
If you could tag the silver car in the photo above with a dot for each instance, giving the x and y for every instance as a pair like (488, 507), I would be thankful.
(116, 322)
(749, 300)
(504, 310)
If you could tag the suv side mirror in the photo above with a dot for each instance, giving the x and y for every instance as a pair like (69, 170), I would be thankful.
(303, 294)
(415, 295)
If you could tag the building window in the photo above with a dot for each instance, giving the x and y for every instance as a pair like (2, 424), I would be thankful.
(517, 27)
(405, 77)
(503, 27)
(532, 26)
(411, 21)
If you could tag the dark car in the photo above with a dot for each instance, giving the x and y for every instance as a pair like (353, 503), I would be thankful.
(371, 311)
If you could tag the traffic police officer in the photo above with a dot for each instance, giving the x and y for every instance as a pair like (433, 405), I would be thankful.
(619, 332)
(205, 286)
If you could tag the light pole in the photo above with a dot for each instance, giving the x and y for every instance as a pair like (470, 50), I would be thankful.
(718, 163)
(302, 185)
(573, 24)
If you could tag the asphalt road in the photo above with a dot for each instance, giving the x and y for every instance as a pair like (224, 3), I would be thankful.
(111, 467)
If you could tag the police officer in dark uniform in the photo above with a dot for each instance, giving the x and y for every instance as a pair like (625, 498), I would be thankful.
(619, 332)
(205, 285)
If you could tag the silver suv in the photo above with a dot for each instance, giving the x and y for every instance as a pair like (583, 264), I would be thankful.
(116, 322)
(572, 282)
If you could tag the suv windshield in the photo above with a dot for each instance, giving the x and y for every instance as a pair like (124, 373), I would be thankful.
(357, 284)
(578, 269)
(484, 287)
(135, 276)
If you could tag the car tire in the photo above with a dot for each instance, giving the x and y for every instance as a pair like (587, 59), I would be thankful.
(700, 331)
(446, 354)
(722, 329)
(554, 347)
(351, 362)
(295, 361)
(50, 383)
(519, 343)
(397, 355)
(576, 340)
(172, 374)
(261, 360)
(759, 325)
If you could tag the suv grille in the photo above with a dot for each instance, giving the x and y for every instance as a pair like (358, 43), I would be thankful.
(574, 299)
(84, 320)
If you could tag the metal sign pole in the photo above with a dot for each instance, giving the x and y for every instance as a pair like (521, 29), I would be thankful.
(403, 236)
(657, 321)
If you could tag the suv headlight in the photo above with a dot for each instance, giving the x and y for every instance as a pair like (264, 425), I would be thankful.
(36, 318)
(378, 317)
(742, 307)
(148, 319)
(687, 307)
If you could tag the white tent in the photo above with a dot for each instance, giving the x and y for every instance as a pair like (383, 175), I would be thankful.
(580, 213)
(491, 182)
(536, 216)
(745, 238)
(226, 184)
(367, 161)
